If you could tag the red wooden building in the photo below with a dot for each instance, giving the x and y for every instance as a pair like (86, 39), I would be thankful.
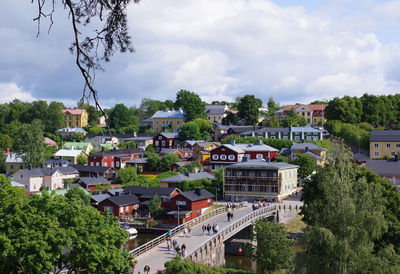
(191, 204)
(113, 158)
(119, 205)
(91, 183)
(234, 153)
(165, 140)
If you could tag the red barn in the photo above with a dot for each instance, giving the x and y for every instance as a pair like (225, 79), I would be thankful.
(113, 158)
(165, 140)
(191, 205)
(119, 205)
(234, 153)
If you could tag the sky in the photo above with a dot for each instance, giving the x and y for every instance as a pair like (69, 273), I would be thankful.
(293, 51)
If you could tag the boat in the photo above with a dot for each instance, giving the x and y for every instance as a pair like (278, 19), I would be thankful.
(131, 230)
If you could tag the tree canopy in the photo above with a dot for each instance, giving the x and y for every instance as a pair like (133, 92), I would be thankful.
(191, 103)
(248, 109)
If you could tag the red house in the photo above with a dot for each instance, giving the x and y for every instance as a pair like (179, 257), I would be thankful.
(165, 140)
(191, 204)
(119, 205)
(234, 153)
(113, 158)
(91, 183)
(184, 153)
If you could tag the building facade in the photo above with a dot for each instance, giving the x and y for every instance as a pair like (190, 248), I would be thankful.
(165, 140)
(168, 119)
(384, 144)
(260, 180)
(75, 117)
(215, 113)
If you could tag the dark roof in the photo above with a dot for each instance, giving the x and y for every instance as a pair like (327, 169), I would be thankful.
(359, 157)
(118, 152)
(99, 197)
(170, 135)
(262, 164)
(189, 177)
(57, 162)
(384, 167)
(38, 172)
(241, 129)
(138, 161)
(196, 195)
(303, 146)
(113, 192)
(269, 129)
(91, 181)
(124, 200)
(139, 190)
(84, 168)
(385, 136)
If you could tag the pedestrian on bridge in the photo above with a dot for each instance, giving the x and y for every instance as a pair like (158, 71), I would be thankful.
(174, 244)
(216, 228)
(233, 206)
(183, 250)
(208, 229)
(204, 228)
(146, 268)
(229, 216)
(189, 232)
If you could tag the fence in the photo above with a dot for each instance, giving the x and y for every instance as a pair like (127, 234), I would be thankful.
(175, 231)
(230, 230)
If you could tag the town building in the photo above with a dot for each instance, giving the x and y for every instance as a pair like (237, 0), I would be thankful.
(269, 132)
(201, 151)
(260, 180)
(314, 114)
(168, 119)
(165, 140)
(140, 164)
(215, 113)
(96, 171)
(176, 181)
(232, 153)
(70, 155)
(51, 178)
(188, 205)
(86, 147)
(91, 183)
(184, 153)
(69, 132)
(306, 133)
(119, 205)
(13, 163)
(114, 158)
(75, 117)
(387, 169)
(384, 144)
(316, 152)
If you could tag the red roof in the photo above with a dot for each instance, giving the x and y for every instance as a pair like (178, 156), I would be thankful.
(74, 111)
(312, 107)
(50, 142)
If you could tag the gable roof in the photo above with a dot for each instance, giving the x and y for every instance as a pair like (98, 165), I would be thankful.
(50, 142)
(167, 150)
(92, 181)
(255, 147)
(235, 148)
(74, 111)
(57, 162)
(303, 146)
(305, 129)
(262, 165)
(76, 145)
(97, 169)
(320, 107)
(13, 158)
(139, 190)
(115, 191)
(188, 177)
(384, 167)
(68, 153)
(196, 195)
(385, 136)
(169, 114)
(71, 129)
(169, 135)
(100, 197)
(123, 200)
(40, 172)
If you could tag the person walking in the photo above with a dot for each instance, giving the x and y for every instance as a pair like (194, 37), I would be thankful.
(146, 268)
(232, 216)
(208, 229)
(213, 228)
(174, 244)
(229, 216)
(189, 231)
(233, 206)
(178, 249)
(169, 233)
(184, 231)
(183, 250)
(133, 270)
(204, 228)
(216, 228)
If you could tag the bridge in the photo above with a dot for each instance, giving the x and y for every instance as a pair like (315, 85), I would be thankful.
(207, 249)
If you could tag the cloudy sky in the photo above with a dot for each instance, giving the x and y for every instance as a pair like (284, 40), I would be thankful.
(293, 51)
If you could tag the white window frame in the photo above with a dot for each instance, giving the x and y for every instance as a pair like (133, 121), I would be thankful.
(393, 153)
(376, 145)
(215, 157)
(259, 156)
(376, 153)
(223, 157)
(163, 143)
(387, 145)
(231, 157)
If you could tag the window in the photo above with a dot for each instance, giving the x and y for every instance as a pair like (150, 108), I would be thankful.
(297, 138)
(231, 157)
(11, 166)
(393, 153)
(376, 153)
(163, 143)
(170, 143)
(315, 121)
(117, 164)
(238, 173)
(160, 137)
(157, 143)
(387, 144)
(121, 209)
(376, 145)
(105, 164)
(215, 157)
(259, 156)
(398, 145)
(223, 157)
(91, 164)
(97, 164)
(177, 122)
(22, 176)
(251, 174)
(127, 209)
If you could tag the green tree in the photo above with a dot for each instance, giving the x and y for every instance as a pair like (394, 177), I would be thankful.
(248, 109)
(205, 128)
(5, 141)
(191, 103)
(273, 249)
(168, 160)
(82, 159)
(293, 119)
(93, 115)
(79, 194)
(272, 122)
(154, 205)
(230, 118)
(54, 118)
(190, 131)
(55, 232)
(125, 145)
(29, 145)
(126, 175)
(345, 218)
(153, 161)
(306, 165)
(347, 109)
(120, 117)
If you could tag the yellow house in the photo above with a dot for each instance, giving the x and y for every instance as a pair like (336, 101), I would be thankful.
(384, 144)
(75, 117)
(13, 163)
(168, 119)
(215, 113)
(314, 114)
(201, 150)
(313, 150)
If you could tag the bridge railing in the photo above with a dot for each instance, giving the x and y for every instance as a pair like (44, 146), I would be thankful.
(175, 231)
(232, 227)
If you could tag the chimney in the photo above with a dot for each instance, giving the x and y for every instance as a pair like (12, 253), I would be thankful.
(306, 149)
(233, 142)
(267, 159)
(197, 191)
(244, 159)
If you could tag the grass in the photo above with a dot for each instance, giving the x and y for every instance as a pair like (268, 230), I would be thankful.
(295, 225)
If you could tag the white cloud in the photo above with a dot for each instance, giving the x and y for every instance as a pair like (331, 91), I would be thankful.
(10, 91)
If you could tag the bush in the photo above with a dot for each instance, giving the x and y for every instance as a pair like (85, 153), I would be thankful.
(152, 223)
